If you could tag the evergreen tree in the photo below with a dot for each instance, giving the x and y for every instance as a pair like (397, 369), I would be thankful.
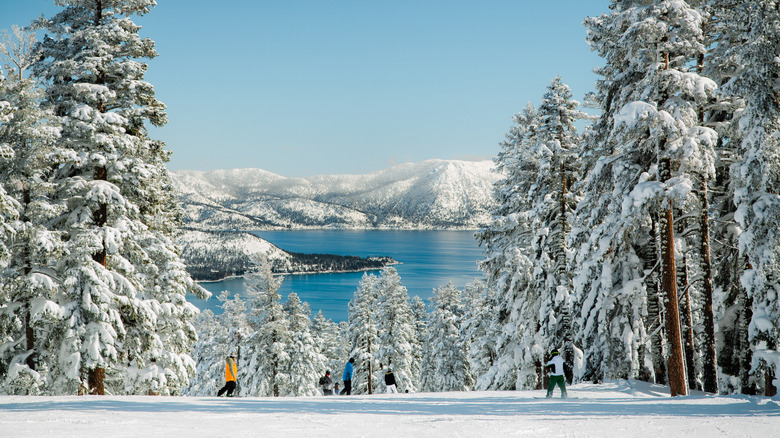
(218, 337)
(27, 309)
(127, 324)
(747, 43)
(508, 262)
(649, 147)
(549, 191)
(398, 336)
(307, 363)
(268, 356)
(331, 344)
(445, 365)
(420, 312)
(363, 335)
(477, 330)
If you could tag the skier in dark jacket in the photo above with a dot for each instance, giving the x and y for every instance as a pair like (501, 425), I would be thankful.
(390, 381)
(327, 384)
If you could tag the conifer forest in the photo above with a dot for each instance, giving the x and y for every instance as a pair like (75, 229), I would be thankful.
(637, 232)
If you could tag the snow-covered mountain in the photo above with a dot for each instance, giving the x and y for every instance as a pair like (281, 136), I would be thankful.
(430, 194)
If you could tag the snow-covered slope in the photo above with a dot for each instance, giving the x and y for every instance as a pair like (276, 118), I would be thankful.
(217, 255)
(611, 410)
(430, 194)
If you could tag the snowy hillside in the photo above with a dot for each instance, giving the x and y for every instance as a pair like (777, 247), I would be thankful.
(613, 409)
(217, 255)
(430, 194)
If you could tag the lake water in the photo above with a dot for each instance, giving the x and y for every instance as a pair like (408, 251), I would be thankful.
(429, 259)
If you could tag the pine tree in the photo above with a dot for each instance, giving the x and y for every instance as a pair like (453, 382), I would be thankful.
(747, 47)
(556, 148)
(445, 365)
(420, 312)
(28, 312)
(306, 362)
(268, 358)
(363, 335)
(652, 148)
(508, 262)
(398, 336)
(331, 344)
(478, 330)
(123, 284)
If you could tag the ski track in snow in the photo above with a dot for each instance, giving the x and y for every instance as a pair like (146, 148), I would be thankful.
(613, 409)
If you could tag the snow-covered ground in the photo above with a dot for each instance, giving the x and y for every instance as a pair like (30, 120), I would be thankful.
(613, 409)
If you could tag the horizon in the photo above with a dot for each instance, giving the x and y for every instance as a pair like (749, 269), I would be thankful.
(387, 167)
(304, 88)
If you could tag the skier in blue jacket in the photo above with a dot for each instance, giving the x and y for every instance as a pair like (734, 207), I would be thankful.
(347, 377)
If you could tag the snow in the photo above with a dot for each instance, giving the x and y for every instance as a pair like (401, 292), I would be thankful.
(612, 409)
(632, 112)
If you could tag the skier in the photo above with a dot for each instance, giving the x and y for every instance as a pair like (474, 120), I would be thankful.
(326, 382)
(347, 377)
(390, 380)
(556, 374)
(230, 376)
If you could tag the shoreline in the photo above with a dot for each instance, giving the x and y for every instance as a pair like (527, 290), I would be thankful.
(229, 277)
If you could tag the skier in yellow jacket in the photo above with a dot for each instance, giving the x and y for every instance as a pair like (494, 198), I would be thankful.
(230, 376)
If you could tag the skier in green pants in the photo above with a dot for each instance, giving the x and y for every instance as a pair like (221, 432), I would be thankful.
(556, 374)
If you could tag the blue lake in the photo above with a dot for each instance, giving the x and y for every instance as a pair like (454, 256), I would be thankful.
(429, 259)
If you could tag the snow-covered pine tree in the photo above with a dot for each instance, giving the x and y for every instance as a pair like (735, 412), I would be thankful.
(556, 149)
(445, 365)
(94, 85)
(398, 336)
(331, 344)
(218, 337)
(306, 362)
(267, 359)
(27, 312)
(364, 335)
(652, 148)
(507, 266)
(420, 312)
(747, 45)
(726, 31)
(477, 328)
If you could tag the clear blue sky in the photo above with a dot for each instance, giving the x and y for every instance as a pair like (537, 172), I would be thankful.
(306, 87)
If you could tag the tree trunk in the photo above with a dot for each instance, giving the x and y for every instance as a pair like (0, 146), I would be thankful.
(370, 376)
(669, 286)
(687, 323)
(100, 216)
(540, 373)
(686, 312)
(710, 355)
(563, 279)
(655, 316)
(30, 335)
(95, 378)
(745, 353)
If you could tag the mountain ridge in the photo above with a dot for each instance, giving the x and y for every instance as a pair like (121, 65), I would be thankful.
(446, 194)
(222, 207)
